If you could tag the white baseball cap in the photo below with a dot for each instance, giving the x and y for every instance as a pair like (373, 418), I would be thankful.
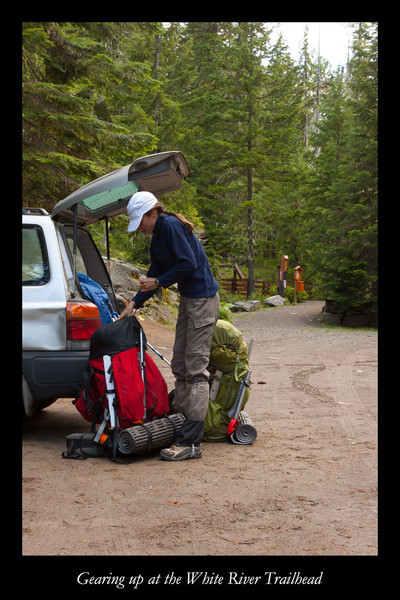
(138, 205)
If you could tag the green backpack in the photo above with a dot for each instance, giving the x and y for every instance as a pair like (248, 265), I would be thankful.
(228, 367)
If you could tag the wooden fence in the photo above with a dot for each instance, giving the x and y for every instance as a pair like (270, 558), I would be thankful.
(261, 287)
(238, 284)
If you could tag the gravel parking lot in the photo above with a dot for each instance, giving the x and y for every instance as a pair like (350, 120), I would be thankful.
(306, 487)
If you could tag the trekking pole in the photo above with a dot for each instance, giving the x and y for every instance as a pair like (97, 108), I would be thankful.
(237, 407)
(235, 421)
(142, 370)
(158, 354)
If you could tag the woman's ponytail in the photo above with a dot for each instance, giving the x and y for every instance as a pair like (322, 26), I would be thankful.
(162, 210)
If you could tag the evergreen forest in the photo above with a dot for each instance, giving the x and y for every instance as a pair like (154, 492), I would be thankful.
(283, 153)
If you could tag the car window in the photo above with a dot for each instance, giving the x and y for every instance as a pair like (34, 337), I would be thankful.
(80, 263)
(88, 258)
(35, 264)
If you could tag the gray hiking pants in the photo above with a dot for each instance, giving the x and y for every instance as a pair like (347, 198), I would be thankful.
(194, 330)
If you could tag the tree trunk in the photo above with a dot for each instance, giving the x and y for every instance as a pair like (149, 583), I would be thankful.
(250, 283)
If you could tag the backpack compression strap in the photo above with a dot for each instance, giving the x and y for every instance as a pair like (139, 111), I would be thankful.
(111, 413)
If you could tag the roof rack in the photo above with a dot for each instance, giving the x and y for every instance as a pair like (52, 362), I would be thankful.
(34, 211)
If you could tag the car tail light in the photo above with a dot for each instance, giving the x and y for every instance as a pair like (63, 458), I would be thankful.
(83, 318)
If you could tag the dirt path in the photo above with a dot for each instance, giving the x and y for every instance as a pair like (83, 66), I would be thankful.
(307, 486)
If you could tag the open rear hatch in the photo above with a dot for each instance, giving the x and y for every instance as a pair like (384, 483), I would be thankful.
(109, 195)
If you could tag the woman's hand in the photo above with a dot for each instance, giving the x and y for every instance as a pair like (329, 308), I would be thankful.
(147, 284)
(128, 310)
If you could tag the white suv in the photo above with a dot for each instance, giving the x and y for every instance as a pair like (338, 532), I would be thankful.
(58, 319)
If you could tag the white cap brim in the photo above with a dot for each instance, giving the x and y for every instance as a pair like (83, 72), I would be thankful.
(139, 205)
(134, 223)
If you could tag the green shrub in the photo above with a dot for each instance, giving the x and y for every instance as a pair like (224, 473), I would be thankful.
(302, 296)
(224, 312)
(289, 295)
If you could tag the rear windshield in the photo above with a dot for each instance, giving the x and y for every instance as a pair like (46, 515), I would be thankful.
(35, 264)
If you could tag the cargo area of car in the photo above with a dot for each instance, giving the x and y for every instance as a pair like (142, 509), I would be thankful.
(58, 320)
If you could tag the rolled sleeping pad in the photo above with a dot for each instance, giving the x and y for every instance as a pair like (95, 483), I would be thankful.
(153, 435)
(245, 433)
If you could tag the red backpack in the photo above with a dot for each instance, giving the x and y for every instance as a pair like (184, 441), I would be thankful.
(122, 386)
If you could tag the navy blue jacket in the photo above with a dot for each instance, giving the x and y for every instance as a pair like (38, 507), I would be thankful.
(177, 256)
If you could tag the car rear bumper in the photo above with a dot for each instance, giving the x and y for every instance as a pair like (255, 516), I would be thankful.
(52, 375)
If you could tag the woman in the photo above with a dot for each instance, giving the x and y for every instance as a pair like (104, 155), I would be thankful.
(178, 257)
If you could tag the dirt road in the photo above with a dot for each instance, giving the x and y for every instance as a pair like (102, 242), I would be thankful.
(307, 486)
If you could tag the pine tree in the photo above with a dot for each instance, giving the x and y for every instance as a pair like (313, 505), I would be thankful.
(282, 167)
(282, 161)
(343, 192)
(74, 89)
(224, 104)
